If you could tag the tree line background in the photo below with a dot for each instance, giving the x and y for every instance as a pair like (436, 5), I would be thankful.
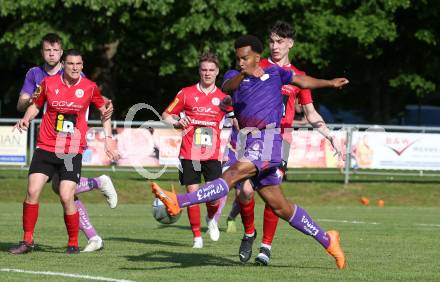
(146, 50)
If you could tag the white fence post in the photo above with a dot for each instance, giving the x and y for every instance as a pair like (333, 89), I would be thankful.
(348, 155)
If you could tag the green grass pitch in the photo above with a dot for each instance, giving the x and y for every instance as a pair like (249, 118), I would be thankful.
(399, 242)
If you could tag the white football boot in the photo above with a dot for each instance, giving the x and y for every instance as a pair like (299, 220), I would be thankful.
(198, 243)
(94, 244)
(213, 231)
(108, 190)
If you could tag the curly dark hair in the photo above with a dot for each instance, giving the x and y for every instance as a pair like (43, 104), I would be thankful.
(249, 40)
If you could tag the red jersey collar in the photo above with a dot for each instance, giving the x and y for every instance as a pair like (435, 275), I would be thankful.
(201, 91)
(62, 81)
(273, 63)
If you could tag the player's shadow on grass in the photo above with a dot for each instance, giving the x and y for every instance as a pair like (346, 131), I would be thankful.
(38, 248)
(182, 227)
(145, 241)
(181, 260)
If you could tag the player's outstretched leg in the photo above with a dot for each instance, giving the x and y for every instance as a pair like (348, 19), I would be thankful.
(208, 192)
(269, 228)
(95, 242)
(104, 184)
(299, 219)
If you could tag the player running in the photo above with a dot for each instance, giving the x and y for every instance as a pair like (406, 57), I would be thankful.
(61, 141)
(258, 108)
(281, 40)
(51, 51)
(200, 148)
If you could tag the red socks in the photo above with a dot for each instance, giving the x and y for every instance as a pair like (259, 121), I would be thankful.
(212, 208)
(194, 219)
(247, 216)
(72, 226)
(30, 216)
(269, 225)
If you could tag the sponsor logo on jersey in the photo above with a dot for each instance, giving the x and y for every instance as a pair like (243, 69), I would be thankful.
(65, 123)
(65, 104)
(203, 110)
(203, 122)
(215, 101)
(203, 136)
(79, 93)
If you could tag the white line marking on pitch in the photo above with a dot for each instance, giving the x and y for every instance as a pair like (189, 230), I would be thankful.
(348, 221)
(372, 223)
(71, 275)
(430, 225)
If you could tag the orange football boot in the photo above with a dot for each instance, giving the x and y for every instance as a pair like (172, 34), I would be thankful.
(335, 249)
(169, 199)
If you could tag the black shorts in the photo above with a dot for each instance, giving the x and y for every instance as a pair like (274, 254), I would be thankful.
(192, 171)
(49, 163)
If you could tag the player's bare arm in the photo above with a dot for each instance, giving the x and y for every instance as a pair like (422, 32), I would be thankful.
(23, 124)
(305, 81)
(112, 153)
(24, 101)
(108, 108)
(315, 119)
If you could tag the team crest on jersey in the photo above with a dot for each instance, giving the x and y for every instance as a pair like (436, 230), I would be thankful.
(57, 91)
(79, 93)
(196, 98)
(215, 101)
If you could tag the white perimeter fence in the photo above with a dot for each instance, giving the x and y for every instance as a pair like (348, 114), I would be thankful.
(378, 150)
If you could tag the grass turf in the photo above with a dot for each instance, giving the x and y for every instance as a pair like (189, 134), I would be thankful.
(398, 242)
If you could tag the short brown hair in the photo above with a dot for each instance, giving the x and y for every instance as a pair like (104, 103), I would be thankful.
(51, 38)
(209, 57)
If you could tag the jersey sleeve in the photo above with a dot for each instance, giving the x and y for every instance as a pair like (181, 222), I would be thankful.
(177, 104)
(97, 99)
(28, 87)
(286, 75)
(305, 97)
(40, 94)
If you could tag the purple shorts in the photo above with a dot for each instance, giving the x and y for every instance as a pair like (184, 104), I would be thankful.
(263, 149)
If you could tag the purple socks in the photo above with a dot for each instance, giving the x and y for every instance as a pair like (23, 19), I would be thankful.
(209, 192)
(84, 221)
(301, 221)
(87, 184)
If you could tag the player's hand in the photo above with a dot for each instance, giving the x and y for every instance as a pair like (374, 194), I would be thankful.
(338, 149)
(182, 123)
(339, 82)
(226, 104)
(21, 125)
(108, 109)
(112, 154)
